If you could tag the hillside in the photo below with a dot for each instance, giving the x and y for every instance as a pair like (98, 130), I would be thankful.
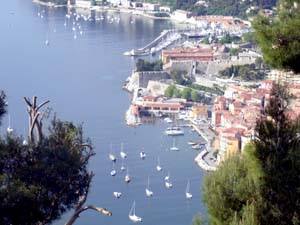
(218, 7)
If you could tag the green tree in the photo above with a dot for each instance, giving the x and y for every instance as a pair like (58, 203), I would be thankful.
(177, 76)
(195, 97)
(198, 220)
(176, 93)
(186, 93)
(277, 150)
(143, 65)
(231, 189)
(278, 39)
(169, 92)
(45, 178)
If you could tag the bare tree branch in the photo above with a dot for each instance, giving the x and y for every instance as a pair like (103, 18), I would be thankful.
(74, 217)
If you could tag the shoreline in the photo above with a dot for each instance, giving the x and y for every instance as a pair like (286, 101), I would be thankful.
(104, 9)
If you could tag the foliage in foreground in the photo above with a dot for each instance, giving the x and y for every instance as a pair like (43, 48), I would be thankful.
(279, 38)
(262, 186)
(40, 180)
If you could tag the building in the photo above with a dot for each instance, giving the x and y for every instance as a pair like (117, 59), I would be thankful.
(187, 54)
(199, 111)
(164, 9)
(151, 7)
(83, 3)
(181, 15)
(161, 107)
(284, 77)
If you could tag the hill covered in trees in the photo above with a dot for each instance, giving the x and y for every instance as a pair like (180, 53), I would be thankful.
(217, 7)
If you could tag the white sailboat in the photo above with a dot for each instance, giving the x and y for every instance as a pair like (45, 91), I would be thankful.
(117, 194)
(174, 148)
(188, 195)
(111, 156)
(122, 166)
(9, 128)
(127, 177)
(122, 153)
(142, 154)
(113, 172)
(132, 215)
(167, 177)
(149, 193)
(158, 167)
(168, 183)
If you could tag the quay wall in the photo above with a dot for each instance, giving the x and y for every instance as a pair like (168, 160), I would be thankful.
(145, 77)
(201, 162)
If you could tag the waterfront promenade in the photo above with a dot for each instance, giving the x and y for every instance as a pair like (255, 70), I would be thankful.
(205, 159)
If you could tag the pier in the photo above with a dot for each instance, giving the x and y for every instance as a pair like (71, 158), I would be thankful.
(165, 39)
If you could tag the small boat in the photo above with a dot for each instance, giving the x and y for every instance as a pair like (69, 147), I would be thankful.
(122, 153)
(168, 184)
(191, 143)
(142, 155)
(127, 177)
(117, 194)
(174, 131)
(113, 172)
(167, 177)
(9, 128)
(132, 215)
(122, 166)
(188, 195)
(47, 42)
(111, 156)
(174, 148)
(168, 120)
(158, 167)
(197, 146)
(149, 193)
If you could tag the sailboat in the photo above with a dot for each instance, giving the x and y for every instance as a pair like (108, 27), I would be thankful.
(132, 215)
(142, 154)
(122, 153)
(9, 128)
(122, 166)
(174, 148)
(127, 177)
(111, 156)
(168, 183)
(75, 35)
(188, 195)
(158, 167)
(149, 193)
(117, 194)
(113, 172)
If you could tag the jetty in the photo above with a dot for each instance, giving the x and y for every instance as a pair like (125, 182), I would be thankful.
(165, 39)
(202, 163)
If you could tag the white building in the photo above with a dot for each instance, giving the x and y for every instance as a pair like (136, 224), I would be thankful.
(181, 15)
(83, 3)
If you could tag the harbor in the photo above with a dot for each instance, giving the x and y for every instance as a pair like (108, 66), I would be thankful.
(103, 120)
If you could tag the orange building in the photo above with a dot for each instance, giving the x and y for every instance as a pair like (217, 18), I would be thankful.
(187, 54)
(199, 111)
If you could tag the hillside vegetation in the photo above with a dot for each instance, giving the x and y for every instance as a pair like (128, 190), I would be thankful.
(218, 7)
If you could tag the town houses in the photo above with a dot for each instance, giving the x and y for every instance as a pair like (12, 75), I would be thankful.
(235, 114)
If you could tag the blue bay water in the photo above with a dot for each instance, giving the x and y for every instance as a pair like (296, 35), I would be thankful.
(83, 78)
